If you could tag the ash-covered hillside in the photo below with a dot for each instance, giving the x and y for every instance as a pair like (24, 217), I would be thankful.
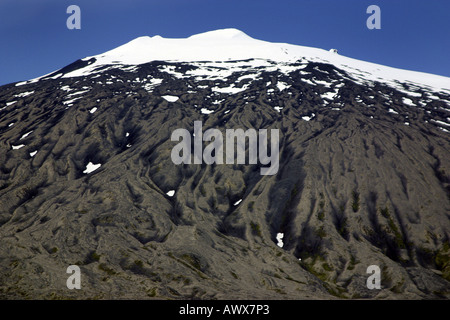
(86, 176)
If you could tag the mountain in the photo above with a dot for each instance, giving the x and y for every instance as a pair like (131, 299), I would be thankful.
(87, 179)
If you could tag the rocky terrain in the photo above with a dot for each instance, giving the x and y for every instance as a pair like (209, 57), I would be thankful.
(86, 178)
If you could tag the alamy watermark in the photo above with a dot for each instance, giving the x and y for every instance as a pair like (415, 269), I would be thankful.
(74, 281)
(74, 20)
(374, 21)
(374, 281)
(214, 151)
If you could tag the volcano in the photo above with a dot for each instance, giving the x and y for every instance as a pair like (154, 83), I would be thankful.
(86, 176)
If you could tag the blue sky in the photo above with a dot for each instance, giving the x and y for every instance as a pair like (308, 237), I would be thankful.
(415, 35)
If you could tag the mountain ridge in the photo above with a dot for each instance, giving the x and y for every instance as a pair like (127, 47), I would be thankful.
(233, 44)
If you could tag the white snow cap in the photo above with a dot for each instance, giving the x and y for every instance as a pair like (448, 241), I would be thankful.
(232, 44)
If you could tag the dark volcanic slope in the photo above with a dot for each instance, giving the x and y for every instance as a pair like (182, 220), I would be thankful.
(364, 182)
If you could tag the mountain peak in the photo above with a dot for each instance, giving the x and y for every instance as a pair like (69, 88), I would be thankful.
(228, 33)
(232, 44)
(220, 35)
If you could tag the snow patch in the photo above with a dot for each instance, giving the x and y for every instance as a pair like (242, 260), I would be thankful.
(206, 111)
(90, 167)
(76, 93)
(330, 95)
(70, 102)
(278, 108)
(441, 122)
(408, 102)
(24, 94)
(17, 147)
(392, 111)
(280, 237)
(307, 118)
(282, 85)
(57, 76)
(433, 97)
(26, 135)
(323, 83)
(170, 98)
(308, 81)
(230, 90)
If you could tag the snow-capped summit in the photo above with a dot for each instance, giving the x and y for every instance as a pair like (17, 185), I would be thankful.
(218, 45)
(233, 44)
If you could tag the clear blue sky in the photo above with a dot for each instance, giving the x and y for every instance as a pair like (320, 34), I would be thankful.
(415, 35)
